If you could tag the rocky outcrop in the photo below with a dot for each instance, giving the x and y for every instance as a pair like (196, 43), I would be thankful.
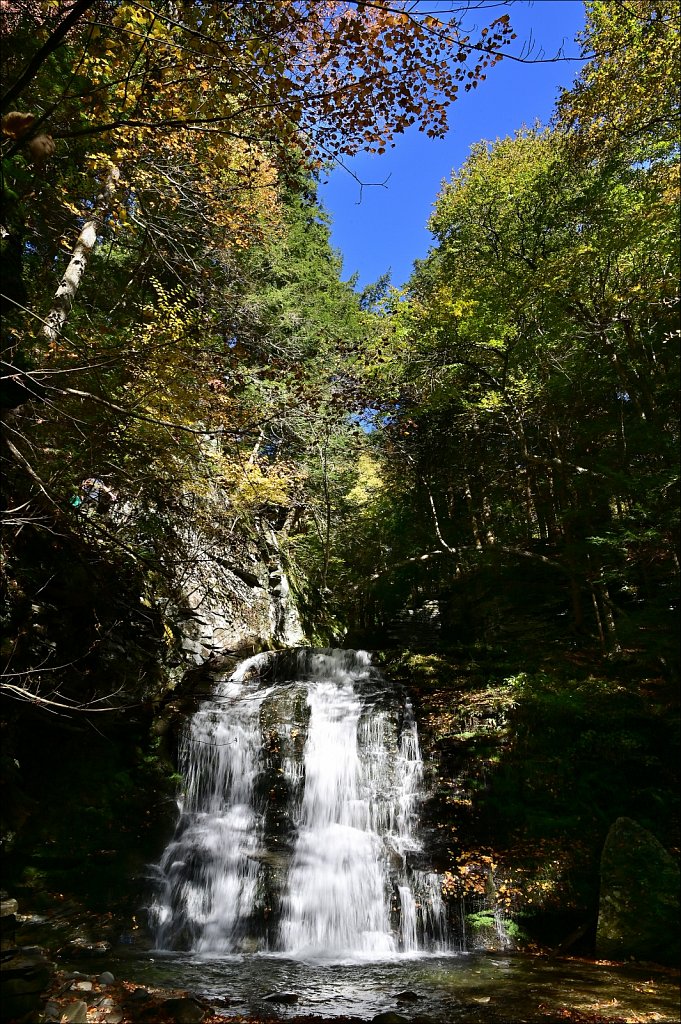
(232, 600)
(23, 979)
(24, 971)
(638, 913)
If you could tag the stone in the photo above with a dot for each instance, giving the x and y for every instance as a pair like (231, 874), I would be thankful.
(194, 647)
(184, 1010)
(140, 995)
(389, 1018)
(81, 947)
(75, 1013)
(22, 996)
(8, 924)
(638, 912)
(82, 986)
(281, 997)
(25, 974)
(406, 996)
(106, 978)
(114, 1015)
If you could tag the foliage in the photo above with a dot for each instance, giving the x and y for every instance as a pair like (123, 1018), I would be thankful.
(526, 382)
(195, 342)
(627, 95)
(529, 769)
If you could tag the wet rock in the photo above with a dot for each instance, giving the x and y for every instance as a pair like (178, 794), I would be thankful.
(81, 947)
(389, 1018)
(75, 1013)
(184, 1010)
(140, 995)
(106, 978)
(638, 914)
(407, 997)
(82, 986)
(32, 950)
(281, 997)
(51, 1012)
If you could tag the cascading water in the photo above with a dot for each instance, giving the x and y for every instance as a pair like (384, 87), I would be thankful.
(297, 830)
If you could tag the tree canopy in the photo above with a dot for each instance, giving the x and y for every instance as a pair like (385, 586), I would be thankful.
(175, 317)
(527, 378)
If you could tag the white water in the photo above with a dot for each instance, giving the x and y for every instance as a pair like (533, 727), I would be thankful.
(338, 884)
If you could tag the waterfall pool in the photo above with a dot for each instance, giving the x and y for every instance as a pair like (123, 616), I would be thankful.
(470, 988)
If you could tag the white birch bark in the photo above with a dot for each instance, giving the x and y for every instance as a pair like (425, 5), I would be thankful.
(70, 282)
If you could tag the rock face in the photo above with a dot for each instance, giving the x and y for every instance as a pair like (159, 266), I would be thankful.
(234, 601)
(639, 901)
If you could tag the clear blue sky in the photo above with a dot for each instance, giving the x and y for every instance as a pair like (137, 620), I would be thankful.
(387, 229)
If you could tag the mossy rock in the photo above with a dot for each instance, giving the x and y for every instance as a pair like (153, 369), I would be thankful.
(638, 913)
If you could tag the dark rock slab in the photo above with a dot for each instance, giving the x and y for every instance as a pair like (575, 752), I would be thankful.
(184, 1010)
(23, 979)
(638, 914)
(281, 997)
(83, 948)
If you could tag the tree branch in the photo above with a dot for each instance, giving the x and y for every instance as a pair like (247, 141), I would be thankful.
(39, 58)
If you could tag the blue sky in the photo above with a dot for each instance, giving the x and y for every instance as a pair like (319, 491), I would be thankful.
(387, 229)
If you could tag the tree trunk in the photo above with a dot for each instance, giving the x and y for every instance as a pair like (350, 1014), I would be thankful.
(70, 282)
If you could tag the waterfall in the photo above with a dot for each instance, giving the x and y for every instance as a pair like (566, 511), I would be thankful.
(298, 828)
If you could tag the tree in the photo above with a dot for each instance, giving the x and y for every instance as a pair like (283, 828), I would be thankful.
(530, 387)
(132, 103)
(626, 99)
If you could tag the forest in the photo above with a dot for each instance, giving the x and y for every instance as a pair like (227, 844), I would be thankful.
(474, 476)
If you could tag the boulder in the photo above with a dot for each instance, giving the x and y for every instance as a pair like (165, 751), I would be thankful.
(638, 913)
(23, 979)
(184, 1010)
(82, 986)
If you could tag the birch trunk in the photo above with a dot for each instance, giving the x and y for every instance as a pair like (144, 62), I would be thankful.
(70, 282)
